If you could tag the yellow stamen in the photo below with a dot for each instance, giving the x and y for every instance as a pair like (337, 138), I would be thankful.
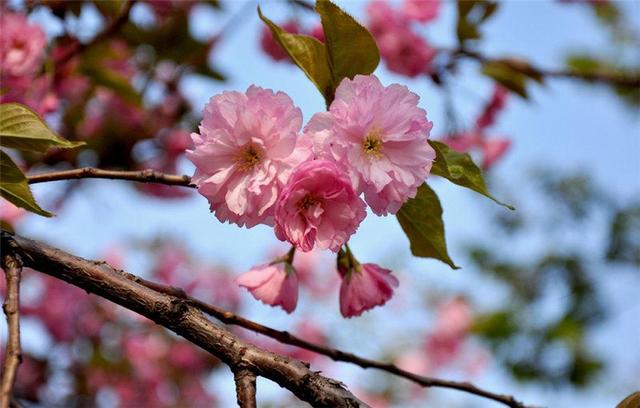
(372, 144)
(249, 157)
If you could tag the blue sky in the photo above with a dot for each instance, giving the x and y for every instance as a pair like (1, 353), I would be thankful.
(565, 125)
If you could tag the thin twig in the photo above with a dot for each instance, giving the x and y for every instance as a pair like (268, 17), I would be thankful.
(245, 387)
(335, 354)
(12, 266)
(112, 28)
(142, 176)
(525, 67)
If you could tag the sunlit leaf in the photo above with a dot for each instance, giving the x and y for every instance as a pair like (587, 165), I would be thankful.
(15, 188)
(460, 169)
(421, 220)
(307, 53)
(350, 47)
(22, 129)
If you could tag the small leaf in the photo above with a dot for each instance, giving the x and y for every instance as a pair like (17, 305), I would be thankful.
(307, 53)
(472, 13)
(22, 129)
(513, 74)
(460, 169)
(15, 188)
(351, 48)
(421, 220)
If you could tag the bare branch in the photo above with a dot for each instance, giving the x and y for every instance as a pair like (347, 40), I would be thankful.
(12, 266)
(142, 176)
(335, 354)
(185, 320)
(245, 387)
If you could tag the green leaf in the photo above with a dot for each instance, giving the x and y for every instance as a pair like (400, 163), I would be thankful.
(472, 13)
(351, 48)
(22, 129)
(307, 53)
(15, 188)
(460, 169)
(421, 220)
(512, 73)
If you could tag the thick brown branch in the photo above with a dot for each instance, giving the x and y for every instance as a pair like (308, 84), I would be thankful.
(142, 176)
(185, 320)
(245, 387)
(335, 354)
(12, 267)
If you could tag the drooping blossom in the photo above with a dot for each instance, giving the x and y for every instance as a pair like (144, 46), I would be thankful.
(379, 134)
(269, 44)
(318, 207)
(274, 284)
(245, 152)
(365, 286)
(421, 10)
(22, 46)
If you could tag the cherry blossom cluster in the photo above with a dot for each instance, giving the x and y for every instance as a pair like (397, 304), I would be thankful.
(404, 51)
(255, 166)
(491, 148)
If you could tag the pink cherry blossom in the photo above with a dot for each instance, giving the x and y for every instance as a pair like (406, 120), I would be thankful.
(421, 10)
(492, 150)
(379, 134)
(9, 213)
(245, 152)
(317, 32)
(495, 105)
(403, 51)
(364, 287)
(22, 45)
(271, 47)
(274, 284)
(318, 207)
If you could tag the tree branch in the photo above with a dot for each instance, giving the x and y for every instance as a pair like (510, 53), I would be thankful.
(142, 176)
(603, 76)
(245, 387)
(12, 266)
(334, 354)
(185, 320)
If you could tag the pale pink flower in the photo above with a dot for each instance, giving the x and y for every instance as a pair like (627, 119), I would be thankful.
(9, 213)
(271, 47)
(364, 287)
(379, 134)
(421, 10)
(22, 45)
(491, 149)
(318, 207)
(274, 284)
(245, 152)
(383, 17)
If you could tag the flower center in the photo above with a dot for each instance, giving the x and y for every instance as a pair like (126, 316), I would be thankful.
(249, 157)
(307, 202)
(372, 145)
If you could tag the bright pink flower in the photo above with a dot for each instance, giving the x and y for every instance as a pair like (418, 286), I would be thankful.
(317, 32)
(22, 45)
(273, 284)
(245, 152)
(495, 105)
(318, 206)
(271, 47)
(379, 134)
(364, 287)
(492, 150)
(421, 10)
(405, 52)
